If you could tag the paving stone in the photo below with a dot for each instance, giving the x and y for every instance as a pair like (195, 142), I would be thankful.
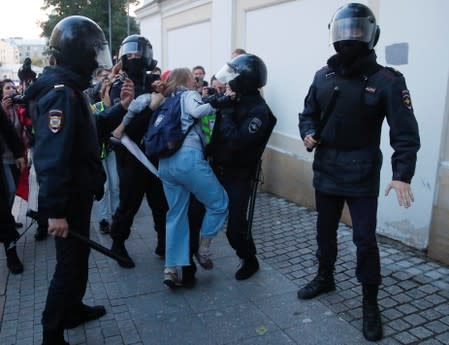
(436, 327)
(414, 296)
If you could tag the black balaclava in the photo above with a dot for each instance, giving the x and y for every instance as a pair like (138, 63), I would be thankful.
(350, 51)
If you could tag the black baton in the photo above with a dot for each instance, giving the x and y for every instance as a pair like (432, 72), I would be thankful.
(98, 247)
(252, 201)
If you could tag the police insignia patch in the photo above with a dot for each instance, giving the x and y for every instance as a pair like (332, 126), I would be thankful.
(55, 120)
(254, 125)
(406, 99)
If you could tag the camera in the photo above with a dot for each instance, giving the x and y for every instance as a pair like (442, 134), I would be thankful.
(17, 98)
(150, 78)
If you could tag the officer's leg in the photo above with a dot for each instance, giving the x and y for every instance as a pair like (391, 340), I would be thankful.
(241, 241)
(329, 209)
(64, 307)
(132, 180)
(196, 215)
(158, 203)
(363, 214)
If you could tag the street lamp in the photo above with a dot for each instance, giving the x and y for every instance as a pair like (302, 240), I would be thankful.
(110, 25)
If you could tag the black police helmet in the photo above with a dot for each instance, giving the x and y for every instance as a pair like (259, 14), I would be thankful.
(354, 22)
(79, 44)
(244, 73)
(138, 45)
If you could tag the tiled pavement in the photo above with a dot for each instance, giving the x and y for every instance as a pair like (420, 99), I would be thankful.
(219, 310)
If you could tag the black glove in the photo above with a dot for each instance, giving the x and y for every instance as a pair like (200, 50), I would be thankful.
(218, 101)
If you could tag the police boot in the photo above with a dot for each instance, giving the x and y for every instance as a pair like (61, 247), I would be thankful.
(323, 282)
(84, 314)
(188, 275)
(248, 268)
(118, 247)
(372, 324)
(53, 338)
(12, 260)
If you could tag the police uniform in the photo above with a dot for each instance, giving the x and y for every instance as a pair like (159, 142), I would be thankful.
(136, 181)
(348, 159)
(239, 137)
(70, 175)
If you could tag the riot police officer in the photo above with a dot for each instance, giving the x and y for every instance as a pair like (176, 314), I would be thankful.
(68, 166)
(242, 128)
(136, 55)
(342, 120)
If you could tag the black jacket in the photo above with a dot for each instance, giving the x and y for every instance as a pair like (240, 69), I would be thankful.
(66, 151)
(240, 135)
(348, 159)
(9, 137)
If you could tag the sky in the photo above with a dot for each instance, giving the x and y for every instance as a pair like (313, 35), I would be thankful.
(20, 18)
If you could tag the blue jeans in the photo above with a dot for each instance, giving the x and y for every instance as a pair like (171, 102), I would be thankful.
(109, 203)
(183, 173)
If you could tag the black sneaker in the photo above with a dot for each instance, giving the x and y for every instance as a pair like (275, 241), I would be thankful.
(118, 247)
(320, 284)
(12, 261)
(86, 314)
(41, 233)
(248, 268)
(105, 228)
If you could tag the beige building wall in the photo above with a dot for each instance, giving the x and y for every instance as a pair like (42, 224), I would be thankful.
(294, 53)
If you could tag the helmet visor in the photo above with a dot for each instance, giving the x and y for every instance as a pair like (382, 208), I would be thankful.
(133, 47)
(352, 29)
(103, 56)
(226, 74)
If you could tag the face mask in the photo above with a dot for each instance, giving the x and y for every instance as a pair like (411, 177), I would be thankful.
(135, 68)
(349, 51)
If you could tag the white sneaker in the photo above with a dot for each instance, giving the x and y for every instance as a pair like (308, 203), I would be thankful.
(171, 278)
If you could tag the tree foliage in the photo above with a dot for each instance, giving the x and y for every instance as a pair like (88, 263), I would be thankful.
(97, 10)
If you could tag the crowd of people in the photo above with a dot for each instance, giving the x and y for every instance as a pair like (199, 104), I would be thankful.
(63, 146)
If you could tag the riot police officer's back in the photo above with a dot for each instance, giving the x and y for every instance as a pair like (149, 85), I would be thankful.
(67, 161)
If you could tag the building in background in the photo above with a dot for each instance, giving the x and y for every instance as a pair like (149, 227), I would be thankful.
(9, 53)
(14, 50)
(291, 37)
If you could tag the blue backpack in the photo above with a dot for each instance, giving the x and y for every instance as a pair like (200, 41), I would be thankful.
(164, 135)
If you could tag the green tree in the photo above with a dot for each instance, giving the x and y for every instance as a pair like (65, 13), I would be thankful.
(97, 10)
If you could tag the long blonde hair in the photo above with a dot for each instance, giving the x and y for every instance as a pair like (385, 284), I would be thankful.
(178, 77)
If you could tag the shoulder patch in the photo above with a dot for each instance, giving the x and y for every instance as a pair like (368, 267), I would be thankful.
(55, 120)
(254, 125)
(406, 99)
